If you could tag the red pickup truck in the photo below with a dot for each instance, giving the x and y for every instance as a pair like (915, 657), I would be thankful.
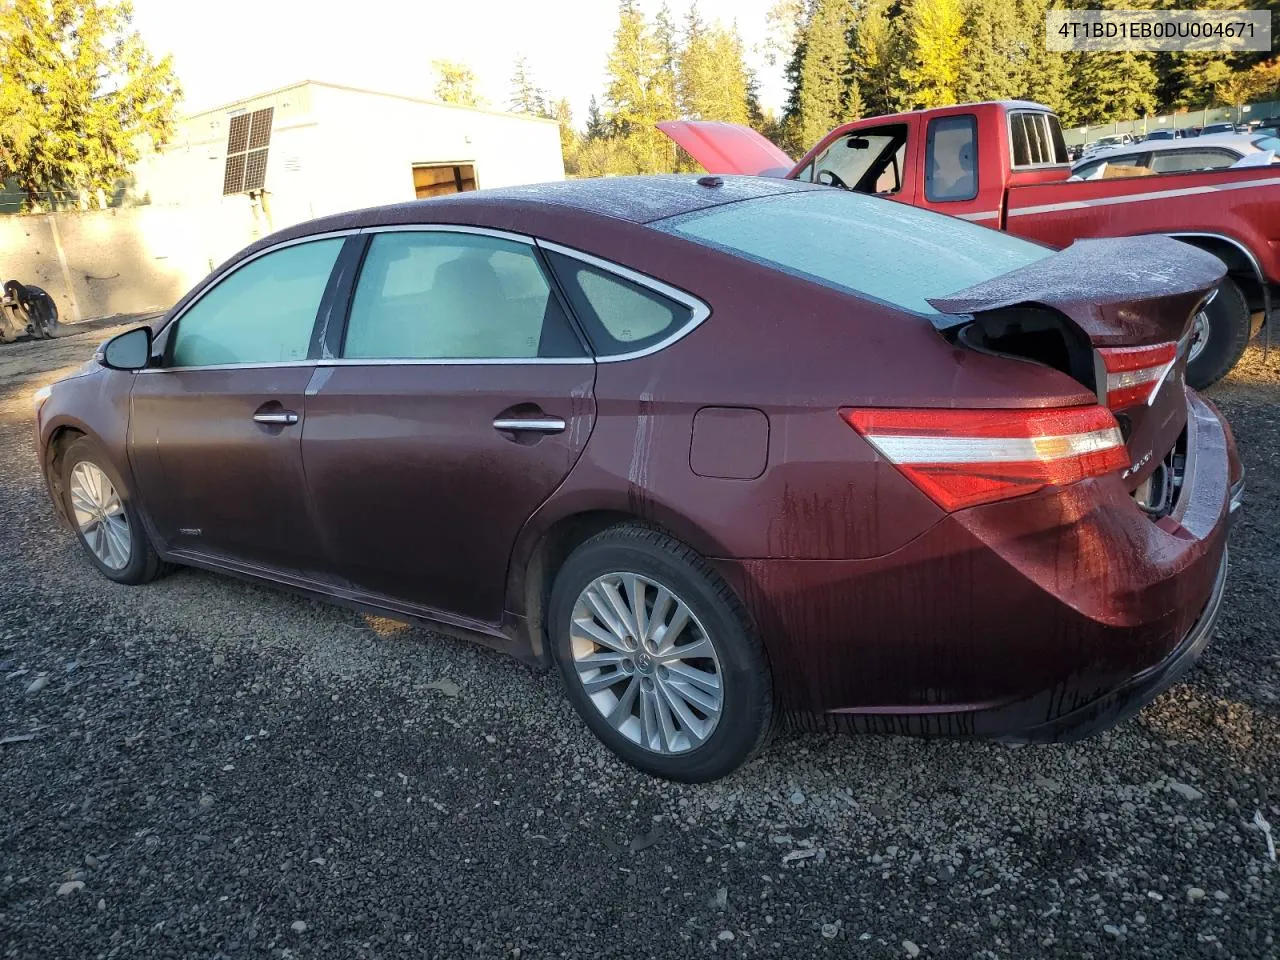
(1005, 165)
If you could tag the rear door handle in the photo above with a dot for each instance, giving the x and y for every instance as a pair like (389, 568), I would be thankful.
(288, 418)
(530, 424)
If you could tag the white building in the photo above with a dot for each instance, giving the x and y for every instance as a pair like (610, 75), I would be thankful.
(315, 148)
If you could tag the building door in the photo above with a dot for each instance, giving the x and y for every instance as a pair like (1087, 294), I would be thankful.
(439, 179)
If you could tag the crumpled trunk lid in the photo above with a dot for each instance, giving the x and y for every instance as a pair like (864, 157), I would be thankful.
(1124, 292)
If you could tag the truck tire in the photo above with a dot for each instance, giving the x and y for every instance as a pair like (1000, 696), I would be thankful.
(1225, 336)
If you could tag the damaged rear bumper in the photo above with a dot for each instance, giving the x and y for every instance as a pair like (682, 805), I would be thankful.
(1126, 700)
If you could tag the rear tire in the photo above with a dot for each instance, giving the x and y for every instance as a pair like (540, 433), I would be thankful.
(1229, 321)
(635, 704)
(106, 523)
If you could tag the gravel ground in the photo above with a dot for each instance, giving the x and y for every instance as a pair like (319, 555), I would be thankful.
(220, 770)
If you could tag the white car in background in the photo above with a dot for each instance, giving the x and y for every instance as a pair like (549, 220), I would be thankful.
(1107, 143)
(1212, 152)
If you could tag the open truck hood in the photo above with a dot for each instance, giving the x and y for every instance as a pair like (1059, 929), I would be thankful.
(728, 148)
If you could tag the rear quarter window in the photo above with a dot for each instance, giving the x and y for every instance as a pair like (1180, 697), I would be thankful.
(876, 248)
(620, 316)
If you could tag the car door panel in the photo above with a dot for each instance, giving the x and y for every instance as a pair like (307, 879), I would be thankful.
(419, 496)
(216, 480)
(462, 399)
(216, 425)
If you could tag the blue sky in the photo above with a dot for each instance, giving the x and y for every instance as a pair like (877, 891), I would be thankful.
(237, 48)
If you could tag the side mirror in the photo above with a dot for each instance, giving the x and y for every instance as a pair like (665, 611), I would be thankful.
(129, 351)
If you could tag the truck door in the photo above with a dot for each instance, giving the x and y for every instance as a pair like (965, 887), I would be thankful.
(951, 164)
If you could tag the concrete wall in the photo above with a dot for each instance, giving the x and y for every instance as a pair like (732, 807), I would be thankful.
(126, 260)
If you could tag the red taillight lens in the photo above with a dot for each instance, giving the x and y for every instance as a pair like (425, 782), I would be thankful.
(961, 458)
(1134, 373)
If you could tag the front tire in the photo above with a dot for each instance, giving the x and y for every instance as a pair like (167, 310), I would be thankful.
(658, 656)
(1225, 335)
(106, 523)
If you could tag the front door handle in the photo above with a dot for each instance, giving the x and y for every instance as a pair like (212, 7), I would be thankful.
(285, 419)
(530, 424)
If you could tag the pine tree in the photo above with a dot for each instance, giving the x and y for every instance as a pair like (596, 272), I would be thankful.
(597, 126)
(570, 143)
(877, 57)
(526, 96)
(1113, 86)
(78, 91)
(1046, 75)
(664, 35)
(820, 72)
(714, 81)
(637, 96)
(455, 83)
(935, 51)
(996, 43)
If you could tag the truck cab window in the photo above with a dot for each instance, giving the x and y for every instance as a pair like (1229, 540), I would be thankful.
(951, 159)
(868, 161)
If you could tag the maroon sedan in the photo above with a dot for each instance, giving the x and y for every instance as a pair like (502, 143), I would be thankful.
(717, 448)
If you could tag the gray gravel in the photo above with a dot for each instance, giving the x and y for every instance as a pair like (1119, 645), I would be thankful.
(212, 769)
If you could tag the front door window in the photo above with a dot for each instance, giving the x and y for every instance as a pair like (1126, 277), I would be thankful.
(263, 312)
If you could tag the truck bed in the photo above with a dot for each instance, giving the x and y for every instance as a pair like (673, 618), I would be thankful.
(1243, 205)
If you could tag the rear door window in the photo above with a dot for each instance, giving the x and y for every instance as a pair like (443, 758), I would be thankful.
(1127, 165)
(438, 295)
(951, 159)
(1181, 161)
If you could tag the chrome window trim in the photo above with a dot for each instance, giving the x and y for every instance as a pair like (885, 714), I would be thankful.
(296, 241)
(451, 228)
(699, 311)
(448, 361)
(260, 365)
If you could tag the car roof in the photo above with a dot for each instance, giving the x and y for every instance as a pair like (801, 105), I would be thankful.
(639, 199)
(1243, 143)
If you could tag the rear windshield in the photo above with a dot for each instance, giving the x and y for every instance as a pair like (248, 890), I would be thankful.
(877, 248)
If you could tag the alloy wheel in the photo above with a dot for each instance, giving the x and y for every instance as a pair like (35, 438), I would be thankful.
(1199, 336)
(646, 663)
(99, 513)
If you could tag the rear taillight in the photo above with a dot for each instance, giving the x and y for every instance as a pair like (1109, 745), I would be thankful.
(1133, 374)
(961, 458)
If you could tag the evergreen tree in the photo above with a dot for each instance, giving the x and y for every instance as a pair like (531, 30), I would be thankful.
(597, 126)
(820, 73)
(935, 51)
(455, 83)
(714, 81)
(877, 57)
(996, 41)
(526, 96)
(1046, 75)
(562, 113)
(78, 91)
(638, 97)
